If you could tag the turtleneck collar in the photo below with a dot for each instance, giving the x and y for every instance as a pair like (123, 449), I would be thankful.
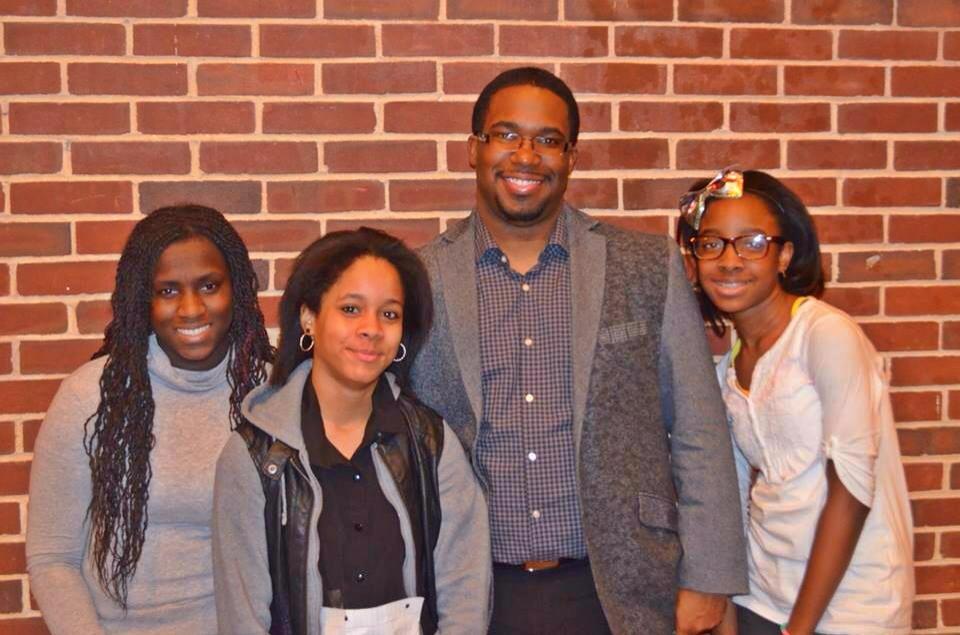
(179, 378)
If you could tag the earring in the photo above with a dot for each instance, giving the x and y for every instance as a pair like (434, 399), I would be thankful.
(308, 346)
(403, 354)
(781, 276)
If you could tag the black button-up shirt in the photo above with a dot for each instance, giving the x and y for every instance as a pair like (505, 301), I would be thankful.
(361, 549)
(525, 444)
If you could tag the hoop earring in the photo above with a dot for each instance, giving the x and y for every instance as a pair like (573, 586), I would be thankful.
(306, 348)
(403, 354)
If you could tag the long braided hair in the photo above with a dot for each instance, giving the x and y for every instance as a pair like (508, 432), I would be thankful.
(118, 437)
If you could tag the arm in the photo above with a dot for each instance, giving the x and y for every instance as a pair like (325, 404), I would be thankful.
(462, 558)
(57, 531)
(241, 569)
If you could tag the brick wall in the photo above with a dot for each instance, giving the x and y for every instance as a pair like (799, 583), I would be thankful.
(302, 116)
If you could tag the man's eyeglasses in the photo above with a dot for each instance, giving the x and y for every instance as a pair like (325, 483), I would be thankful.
(511, 141)
(747, 247)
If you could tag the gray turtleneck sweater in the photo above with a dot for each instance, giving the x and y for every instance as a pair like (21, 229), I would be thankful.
(172, 590)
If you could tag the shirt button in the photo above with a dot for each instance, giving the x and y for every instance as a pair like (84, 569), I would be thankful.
(528, 341)
(361, 576)
(358, 526)
(528, 398)
(356, 476)
(525, 286)
(536, 514)
(503, 259)
(532, 456)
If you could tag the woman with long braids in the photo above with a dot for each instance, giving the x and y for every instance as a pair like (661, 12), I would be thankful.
(121, 491)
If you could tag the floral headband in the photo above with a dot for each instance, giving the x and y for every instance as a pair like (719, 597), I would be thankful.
(728, 183)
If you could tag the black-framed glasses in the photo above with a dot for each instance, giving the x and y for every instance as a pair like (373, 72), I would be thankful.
(511, 141)
(748, 247)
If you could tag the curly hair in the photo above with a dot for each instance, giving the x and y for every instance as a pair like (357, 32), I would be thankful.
(118, 437)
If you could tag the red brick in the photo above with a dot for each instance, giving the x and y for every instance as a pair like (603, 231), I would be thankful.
(937, 300)
(69, 118)
(502, 10)
(936, 513)
(130, 158)
(55, 356)
(654, 193)
(317, 40)
(618, 10)
(891, 192)
(127, 79)
(41, 318)
(457, 157)
(925, 614)
(720, 79)
(288, 197)
(128, 8)
(671, 116)
(30, 158)
(34, 239)
(469, 78)
(767, 117)
(427, 116)
(45, 38)
(198, 117)
(886, 265)
(816, 192)
(916, 406)
(230, 197)
(414, 232)
(849, 228)
(854, 300)
(258, 157)
(925, 81)
(380, 156)
(188, 40)
(950, 544)
(927, 155)
(623, 154)
(103, 237)
(28, 7)
(951, 612)
(59, 278)
(887, 45)
(77, 197)
(951, 335)
(790, 44)
(819, 12)
(4, 279)
(955, 476)
(593, 193)
(12, 558)
(23, 396)
(887, 117)
(256, 8)
(836, 155)
(360, 9)
(951, 45)
(553, 41)
(920, 371)
(440, 40)
(927, 228)
(429, 195)
(30, 429)
(953, 192)
(6, 367)
(318, 118)
(615, 78)
(9, 524)
(379, 78)
(255, 79)
(902, 336)
(666, 41)
(713, 153)
(928, 13)
(278, 235)
(923, 476)
(93, 316)
(715, 11)
(22, 78)
(834, 80)
(928, 441)
(923, 544)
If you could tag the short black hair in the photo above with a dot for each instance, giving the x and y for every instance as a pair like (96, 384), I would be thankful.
(321, 264)
(804, 274)
(527, 76)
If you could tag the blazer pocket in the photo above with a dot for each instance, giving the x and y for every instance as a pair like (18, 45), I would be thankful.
(620, 333)
(658, 512)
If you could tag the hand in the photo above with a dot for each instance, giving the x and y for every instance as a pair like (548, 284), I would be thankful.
(698, 612)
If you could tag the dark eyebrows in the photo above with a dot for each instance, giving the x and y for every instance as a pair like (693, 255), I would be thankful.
(512, 126)
(361, 297)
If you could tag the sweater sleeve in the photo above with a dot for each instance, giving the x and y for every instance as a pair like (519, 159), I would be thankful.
(711, 532)
(241, 568)
(462, 558)
(57, 531)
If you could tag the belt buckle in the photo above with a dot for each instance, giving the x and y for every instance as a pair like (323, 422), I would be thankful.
(531, 566)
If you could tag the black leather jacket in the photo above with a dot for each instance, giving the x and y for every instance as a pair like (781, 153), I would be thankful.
(413, 467)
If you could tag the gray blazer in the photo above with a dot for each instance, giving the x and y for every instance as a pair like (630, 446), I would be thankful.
(655, 471)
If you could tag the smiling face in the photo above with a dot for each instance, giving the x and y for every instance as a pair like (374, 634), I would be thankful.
(736, 286)
(192, 305)
(358, 326)
(522, 187)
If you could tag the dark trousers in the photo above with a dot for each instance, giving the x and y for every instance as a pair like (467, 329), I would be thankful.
(560, 601)
(749, 623)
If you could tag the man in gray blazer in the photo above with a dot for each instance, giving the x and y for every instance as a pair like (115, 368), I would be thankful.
(570, 358)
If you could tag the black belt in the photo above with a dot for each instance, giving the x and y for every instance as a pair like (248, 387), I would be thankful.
(533, 566)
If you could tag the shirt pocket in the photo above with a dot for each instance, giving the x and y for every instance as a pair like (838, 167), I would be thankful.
(658, 512)
(620, 333)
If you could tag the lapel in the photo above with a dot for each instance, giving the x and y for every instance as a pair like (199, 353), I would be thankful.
(588, 262)
(458, 278)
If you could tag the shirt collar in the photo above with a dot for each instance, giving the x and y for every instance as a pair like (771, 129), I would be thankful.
(487, 250)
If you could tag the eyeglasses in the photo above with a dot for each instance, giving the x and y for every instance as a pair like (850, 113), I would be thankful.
(511, 141)
(747, 247)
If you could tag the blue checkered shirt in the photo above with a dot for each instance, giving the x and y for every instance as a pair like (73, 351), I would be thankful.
(525, 446)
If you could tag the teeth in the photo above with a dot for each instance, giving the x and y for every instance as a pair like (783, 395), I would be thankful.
(730, 285)
(519, 181)
(194, 331)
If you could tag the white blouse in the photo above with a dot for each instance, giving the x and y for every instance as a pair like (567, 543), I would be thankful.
(819, 393)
